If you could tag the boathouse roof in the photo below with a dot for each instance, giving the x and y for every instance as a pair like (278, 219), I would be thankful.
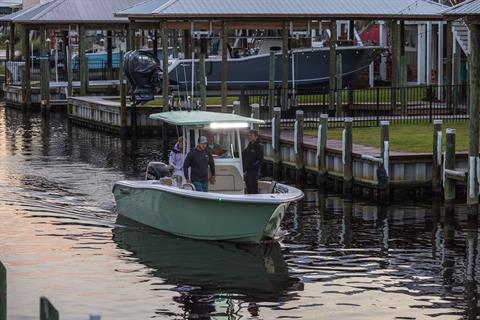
(71, 11)
(250, 9)
(467, 8)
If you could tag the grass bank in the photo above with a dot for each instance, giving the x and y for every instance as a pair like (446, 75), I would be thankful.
(404, 137)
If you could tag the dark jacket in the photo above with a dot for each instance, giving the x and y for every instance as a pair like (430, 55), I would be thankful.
(198, 161)
(253, 157)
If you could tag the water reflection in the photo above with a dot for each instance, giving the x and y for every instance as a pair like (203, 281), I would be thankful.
(209, 276)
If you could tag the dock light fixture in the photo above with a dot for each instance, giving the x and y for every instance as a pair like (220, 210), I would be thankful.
(228, 125)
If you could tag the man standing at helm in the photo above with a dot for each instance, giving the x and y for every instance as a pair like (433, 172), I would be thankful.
(198, 160)
(252, 162)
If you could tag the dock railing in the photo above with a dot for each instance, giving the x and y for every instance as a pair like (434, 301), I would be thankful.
(369, 106)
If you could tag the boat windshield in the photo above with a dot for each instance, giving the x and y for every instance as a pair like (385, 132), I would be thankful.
(221, 144)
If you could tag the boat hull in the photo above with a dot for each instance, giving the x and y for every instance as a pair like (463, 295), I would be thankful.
(214, 218)
(311, 69)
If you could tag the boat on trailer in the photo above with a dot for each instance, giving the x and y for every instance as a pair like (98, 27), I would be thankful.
(225, 212)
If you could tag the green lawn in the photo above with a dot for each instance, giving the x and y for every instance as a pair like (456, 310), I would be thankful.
(404, 137)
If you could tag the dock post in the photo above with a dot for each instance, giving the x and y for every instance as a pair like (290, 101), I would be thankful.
(109, 55)
(271, 84)
(347, 146)
(69, 72)
(277, 155)
(44, 71)
(339, 85)
(332, 66)
(82, 57)
(123, 97)
(47, 310)
(395, 62)
(403, 85)
(383, 172)
(224, 66)
(285, 66)
(449, 184)
(473, 158)
(12, 41)
(255, 115)
(448, 64)
(155, 44)
(26, 82)
(437, 158)
(321, 151)
(3, 291)
(236, 107)
(457, 70)
(203, 83)
(298, 148)
(165, 80)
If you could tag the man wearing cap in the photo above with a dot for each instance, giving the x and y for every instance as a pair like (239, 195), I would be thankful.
(198, 160)
(252, 162)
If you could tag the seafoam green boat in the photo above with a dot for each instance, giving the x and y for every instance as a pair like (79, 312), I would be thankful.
(225, 212)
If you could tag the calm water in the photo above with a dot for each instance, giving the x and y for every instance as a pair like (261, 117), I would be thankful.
(60, 237)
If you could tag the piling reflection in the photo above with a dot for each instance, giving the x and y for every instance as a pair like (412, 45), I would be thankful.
(207, 274)
(471, 285)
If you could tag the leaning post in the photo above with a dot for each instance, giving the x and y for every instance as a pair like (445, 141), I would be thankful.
(449, 184)
(47, 310)
(437, 158)
(298, 147)
(3, 291)
(473, 159)
(347, 160)
(277, 160)
(321, 151)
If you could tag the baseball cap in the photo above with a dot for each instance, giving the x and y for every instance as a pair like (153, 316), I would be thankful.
(202, 139)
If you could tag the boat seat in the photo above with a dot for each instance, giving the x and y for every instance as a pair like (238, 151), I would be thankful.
(227, 179)
(167, 181)
(266, 187)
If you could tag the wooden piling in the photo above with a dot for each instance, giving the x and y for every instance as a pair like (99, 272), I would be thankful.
(285, 66)
(186, 39)
(298, 148)
(203, 82)
(130, 38)
(472, 194)
(321, 151)
(449, 184)
(47, 310)
(395, 61)
(44, 71)
(437, 158)
(69, 72)
(82, 57)
(339, 85)
(12, 41)
(448, 64)
(457, 61)
(347, 146)
(271, 84)
(155, 43)
(383, 172)
(3, 292)
(224, 66)
(403, 85)
(165, 80)
(123, 97)
(109, 55)
(277, 159)
(26, 83)
(255, 115)
(332, 67)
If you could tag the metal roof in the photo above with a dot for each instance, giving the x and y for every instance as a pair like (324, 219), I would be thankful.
(72, 11)
(382, 9)
(201, 118)
(467, 8)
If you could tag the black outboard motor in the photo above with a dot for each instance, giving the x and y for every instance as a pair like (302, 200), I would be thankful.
(143, 71)
(157, 170)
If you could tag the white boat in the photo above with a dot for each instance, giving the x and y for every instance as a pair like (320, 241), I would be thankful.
(223, 213)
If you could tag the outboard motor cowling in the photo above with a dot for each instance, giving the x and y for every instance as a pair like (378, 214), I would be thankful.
(157, 170)
(144, 73)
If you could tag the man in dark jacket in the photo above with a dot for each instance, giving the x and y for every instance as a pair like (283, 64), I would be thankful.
(252, 162)
(198, 160)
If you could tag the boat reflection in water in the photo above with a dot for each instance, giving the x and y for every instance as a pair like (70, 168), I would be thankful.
(207, 272)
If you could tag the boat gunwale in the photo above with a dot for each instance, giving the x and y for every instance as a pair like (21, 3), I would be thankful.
(294, 194)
